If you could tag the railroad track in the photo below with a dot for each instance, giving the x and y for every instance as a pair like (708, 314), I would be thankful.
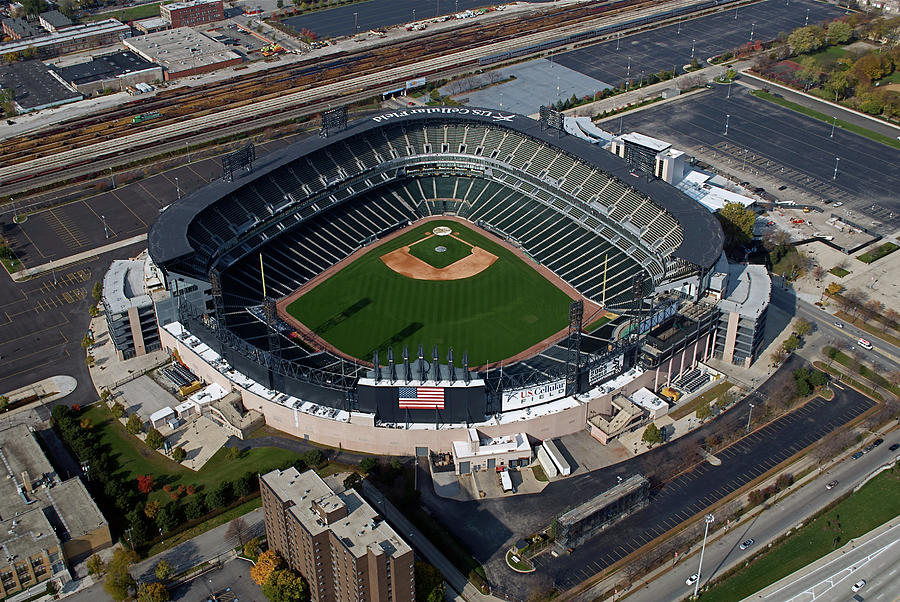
(115, 140)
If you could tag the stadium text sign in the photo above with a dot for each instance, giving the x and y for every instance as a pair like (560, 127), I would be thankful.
(532, 396)
(494, 115)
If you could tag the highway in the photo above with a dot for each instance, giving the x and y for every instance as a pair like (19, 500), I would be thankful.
(349, 89)
(725, 553)
(874, 559)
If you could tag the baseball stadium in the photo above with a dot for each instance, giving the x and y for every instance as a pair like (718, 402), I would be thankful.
(425, 269)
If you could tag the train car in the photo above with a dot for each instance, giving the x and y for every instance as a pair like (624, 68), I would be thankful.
(145, 117)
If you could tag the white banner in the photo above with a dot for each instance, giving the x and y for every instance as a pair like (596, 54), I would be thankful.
(517, 399)
(415, 83)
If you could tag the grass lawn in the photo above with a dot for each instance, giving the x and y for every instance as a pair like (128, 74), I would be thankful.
(877, 502)
(876, 254)
(786, 263)
(142, 11)
(869, 327)
(832, 52)
(893, 78)
(839, 272)
(863, 370)
(844, 379)
(134, 458)
(427, 251)
(823, 117)
(221, 519)
(597, 323)
(493, 315)
(707, 397)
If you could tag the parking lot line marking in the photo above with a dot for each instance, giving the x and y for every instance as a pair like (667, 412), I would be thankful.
(29, 369)
(129, 209)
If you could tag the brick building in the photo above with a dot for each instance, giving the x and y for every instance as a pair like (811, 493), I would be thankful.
(340, 545)
(192, 12)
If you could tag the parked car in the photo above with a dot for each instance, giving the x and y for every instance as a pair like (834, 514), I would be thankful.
(877, 442)
(858, 585)
(746, 544)
(838, 204)
(831, 485)
(838, 325)
(692, 579)
(894, 447)
(858, 455)
(868, 448)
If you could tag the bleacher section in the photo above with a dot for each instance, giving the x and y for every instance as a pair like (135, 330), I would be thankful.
(595, 231)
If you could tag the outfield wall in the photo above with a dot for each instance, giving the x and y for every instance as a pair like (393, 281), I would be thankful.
(392, 441)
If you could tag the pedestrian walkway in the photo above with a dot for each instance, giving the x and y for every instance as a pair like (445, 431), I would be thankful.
(57, 264)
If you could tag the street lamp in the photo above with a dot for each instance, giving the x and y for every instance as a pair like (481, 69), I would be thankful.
(727, 118)
(693, 42)
(105, 229)
(708, 519)
(836, 161)
(355, 22)
(748, 417)
(177, 188)
(833, 123)
(752, 27)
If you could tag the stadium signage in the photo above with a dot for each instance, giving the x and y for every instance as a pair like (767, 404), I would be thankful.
(493, 115)
(532, 396)
(605, 370)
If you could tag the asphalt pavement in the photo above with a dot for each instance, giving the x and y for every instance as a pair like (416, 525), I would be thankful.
(724, 553)
(769, 144)
(673, 46)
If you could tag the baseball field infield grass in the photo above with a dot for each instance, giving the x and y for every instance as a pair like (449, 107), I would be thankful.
(453, 250)
(493, 315)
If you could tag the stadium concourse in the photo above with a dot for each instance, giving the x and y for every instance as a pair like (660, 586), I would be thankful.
(616, 238)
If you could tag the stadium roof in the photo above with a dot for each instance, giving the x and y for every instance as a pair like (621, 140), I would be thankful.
(703, 237)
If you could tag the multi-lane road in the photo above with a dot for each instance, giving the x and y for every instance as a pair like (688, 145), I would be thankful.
(725, 553)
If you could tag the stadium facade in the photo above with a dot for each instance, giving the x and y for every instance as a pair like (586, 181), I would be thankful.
(621, 238)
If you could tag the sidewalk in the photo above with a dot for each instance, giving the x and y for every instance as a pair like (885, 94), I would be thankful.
(58, 264)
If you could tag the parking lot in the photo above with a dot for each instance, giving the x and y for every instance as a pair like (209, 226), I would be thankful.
(638, 55)
(773, 147)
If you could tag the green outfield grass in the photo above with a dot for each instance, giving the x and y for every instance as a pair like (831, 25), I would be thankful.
(427, 251)
(492, 315)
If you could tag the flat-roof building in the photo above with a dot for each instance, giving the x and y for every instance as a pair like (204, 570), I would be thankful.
(650, 155)
(71, 39)
(497, 453)
(183, 52)
(151, 24)
(45, 523)
(743, 293)
(53, 20)
(192, 12)
(34, 86)
(128, 303)
(20, 29)
(111, 71)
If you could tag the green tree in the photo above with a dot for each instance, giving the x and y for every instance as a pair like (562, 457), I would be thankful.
(427, 578)
(368, 464)
(737, 223)
(119, 581)
(118, 410)
(652, 435)
(704, 411)
(806, 39)
(280, 4)
(195, 508)
(178, 454)
(134, 425)
(839, 32)
(803, 327)
(97, 291)
(791, 344)
(871, 104)
(163, 570)
(730, 74)
(837, 84)
(4, 403)
(818, 378)
(251, 548)
(437, 593)
(95, 565)
(90, 360)
(285, 586)
(168, 518)
(93, 311)
(154, 439)
(87, 341)
(153, 592)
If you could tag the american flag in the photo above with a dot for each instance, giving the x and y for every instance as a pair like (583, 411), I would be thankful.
(421, 398)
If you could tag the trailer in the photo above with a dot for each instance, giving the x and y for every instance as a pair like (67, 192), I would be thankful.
(561, 465)
(505, 480)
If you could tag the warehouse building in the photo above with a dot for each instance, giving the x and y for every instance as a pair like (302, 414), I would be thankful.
(340, 545)
(192, 12)
(76, 38)
(112, 71)
(183, 52)
(35, 86)
(53, 21)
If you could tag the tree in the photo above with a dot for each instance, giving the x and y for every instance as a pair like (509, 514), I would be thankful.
(119, 581)
(145, 483)
(118, 410)
(806, 39)
(280, 4)
(437, 594)
(838, 83)
(352, 481)
(163, 570)
(238, 531)
(267, 563)
(368, 464)
(195, 508)
(737, 222)
(232, 452)
(872, 66)
(285, 586)
(652, 435)
(95, 565)
(834, 288)
(791, 344)
(704, 411)
(90, 360)
(93, 311)
(168, 518)
(154, 439)
(97, 291)
(178, 454)
(427, 578)
(134, 425)
(251, 548)
(4, 403)
(803, 327)
(87, 341)
(153, 592)
(151, 510)
(839, 32)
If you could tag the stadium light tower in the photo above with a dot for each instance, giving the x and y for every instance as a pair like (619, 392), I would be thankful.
(708, 519)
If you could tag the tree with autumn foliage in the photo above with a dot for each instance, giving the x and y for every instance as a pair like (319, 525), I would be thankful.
(145, 483)
(267, 563)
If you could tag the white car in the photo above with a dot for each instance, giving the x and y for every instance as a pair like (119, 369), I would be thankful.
(693, 579)
(838, 325)
(858, 585)
(838, 204)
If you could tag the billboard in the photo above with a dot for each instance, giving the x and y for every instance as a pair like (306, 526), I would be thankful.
(516, 399)
(402, 403)
(606, 370)
(415, 83)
